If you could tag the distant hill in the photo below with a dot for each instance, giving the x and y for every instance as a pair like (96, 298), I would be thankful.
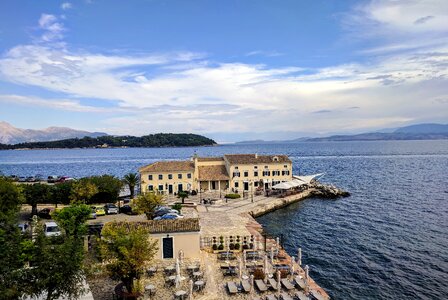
(429, 131)
(152, 140)
(412, 132)
(12, 135)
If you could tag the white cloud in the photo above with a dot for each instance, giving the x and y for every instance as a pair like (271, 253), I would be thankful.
(66, 6)
(52, 28)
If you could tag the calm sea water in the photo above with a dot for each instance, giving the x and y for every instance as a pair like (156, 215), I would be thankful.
(389, 240)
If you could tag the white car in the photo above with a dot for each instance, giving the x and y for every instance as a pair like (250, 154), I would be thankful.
(51, 229)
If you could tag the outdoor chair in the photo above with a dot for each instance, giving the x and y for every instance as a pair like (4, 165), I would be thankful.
(231, 286)
(316, 295)
(299, 282)
(261, 285)
(301, 296)
(273, 283)
(287, 284)
(245, 286)
(285, 296)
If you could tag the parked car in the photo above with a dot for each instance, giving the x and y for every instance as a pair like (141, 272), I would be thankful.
(39, 177)
(92, 214)
(111, 208)
(174, 214)
(31, 179)
(99, 210)
(164, 211)
(45, 213)
(22, 179)
(23, 227)
(52, 178)
(169, 216)
(64, 179)
(51, 229)
(127, 209)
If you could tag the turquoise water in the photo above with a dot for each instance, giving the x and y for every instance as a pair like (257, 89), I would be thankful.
(389, 240)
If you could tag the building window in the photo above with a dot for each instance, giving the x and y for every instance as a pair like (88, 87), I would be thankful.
(170, 176)
(236, 184)
(236, 174)
(285, 172)
(160, 187)
(149, 177)
(179, 176)
(255, 183)
(160, 177)
(246, 174)
(236, 167)
(275, 173)
(266, 167)
(255, 173)
(255, 167)
(189, 175)
(285, 166)
(150, 188)
(266, 173)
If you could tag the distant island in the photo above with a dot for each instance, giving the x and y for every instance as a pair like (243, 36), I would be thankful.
(429, 131)
(152, 140)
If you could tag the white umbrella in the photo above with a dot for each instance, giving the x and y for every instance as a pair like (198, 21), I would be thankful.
(266, 271)
(278, 284)
(244, 260)
(272, 255)
(178, 277)
(240, 268)
(252, 285)
(191, 290)
(292, 266)
(299, 257)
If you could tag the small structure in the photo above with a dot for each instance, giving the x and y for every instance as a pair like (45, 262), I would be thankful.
(173, 236)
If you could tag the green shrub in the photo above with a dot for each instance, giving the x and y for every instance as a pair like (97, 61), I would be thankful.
(231, 246)
(177, 206)
(221, 247)
(232, 196)
(215, 247)
(237, 246)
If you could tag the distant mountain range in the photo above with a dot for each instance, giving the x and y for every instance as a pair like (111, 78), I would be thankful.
(12, 135)
(429, 131)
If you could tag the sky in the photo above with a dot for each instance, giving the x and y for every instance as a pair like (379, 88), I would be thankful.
(230, 70)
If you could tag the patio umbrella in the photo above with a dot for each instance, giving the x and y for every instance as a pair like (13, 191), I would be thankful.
(191, 290)
(252, 285)
(292, 266)
(299, 257)
(240, 268)
(178, 277)
(278, 285)
(265, 265)
(272, 255)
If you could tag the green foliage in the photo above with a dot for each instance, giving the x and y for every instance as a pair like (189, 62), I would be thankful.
(108, 188)
(35, 194)
(56, 267)
(73, 219)
(152, 140)
(131, 180)
(11, 243)
(182, 195)
(82, 191)
(127, 249)
(60, 193)
(232, 196)
(177, 207)
(146, 203)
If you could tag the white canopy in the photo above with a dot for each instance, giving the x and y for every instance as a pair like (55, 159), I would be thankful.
(296, 181)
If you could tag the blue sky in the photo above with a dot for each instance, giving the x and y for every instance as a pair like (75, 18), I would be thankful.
(231, 70)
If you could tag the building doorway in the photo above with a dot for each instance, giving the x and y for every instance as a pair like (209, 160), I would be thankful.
(167, 247)
(170, 189)
(213, 185)
(246, 186)
(179, 187)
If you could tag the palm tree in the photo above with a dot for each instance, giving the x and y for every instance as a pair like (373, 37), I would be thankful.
(131, 180)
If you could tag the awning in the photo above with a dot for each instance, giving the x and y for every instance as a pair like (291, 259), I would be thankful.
(308, 178)
(296, 181)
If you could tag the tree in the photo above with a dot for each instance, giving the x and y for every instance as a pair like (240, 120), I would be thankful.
(108, 188)
(60, 193)
(56, 267)
(147, 203)
(131, 180)
(82, 191)
(182, 195)
(73, 219)
(35, 194)
(127, 248)
(11, 241)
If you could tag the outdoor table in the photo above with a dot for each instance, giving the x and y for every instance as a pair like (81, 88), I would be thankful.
(245, 277)
(180, 294)
(170, 269)
(197, 274)
(151, 271)
(199, 284)
(193, 268)
(150, 288)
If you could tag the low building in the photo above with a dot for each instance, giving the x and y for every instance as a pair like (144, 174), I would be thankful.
(174, 236)
(230, 173)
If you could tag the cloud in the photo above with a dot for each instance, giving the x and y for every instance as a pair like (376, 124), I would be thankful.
(52, 28)
(264, 53)
(423, 20)
(322, 111)
(66, 6)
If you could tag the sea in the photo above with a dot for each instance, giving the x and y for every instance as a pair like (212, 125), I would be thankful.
(388, 240)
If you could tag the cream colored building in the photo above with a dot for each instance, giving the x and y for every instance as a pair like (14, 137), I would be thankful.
(174, 236)
(229, 173)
